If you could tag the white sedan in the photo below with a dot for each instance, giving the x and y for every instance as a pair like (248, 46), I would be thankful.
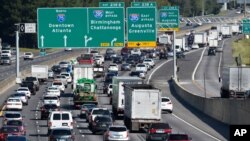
(53, 91)
(113, 67)
(149, 61)
(14, 103)
(24, 90)
(59, 85)
(166, 104)
(68, 76)
(28, 56)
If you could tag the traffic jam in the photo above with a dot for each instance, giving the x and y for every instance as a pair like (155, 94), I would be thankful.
(71, 93)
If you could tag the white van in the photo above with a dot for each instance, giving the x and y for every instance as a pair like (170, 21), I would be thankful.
(60, 119)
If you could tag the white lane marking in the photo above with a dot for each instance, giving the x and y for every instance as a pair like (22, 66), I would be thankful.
(221, 57)
(174, 114)
(151, 74)
(197, 65)
(196, 128)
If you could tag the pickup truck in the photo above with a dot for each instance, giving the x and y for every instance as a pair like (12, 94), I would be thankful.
(34, 80)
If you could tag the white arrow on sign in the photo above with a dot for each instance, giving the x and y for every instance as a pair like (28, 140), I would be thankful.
(112, 42)
(42, 39)
(65, 40)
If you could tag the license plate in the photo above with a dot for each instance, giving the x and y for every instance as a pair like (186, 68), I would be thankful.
(159, 131)
(103, 125)
(64, 124)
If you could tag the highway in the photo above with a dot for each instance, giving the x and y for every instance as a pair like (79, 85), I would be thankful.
(208, 70)
(7, 71)
(183, 120)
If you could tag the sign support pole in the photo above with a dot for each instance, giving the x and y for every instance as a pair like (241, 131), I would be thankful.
(174, 51)
(17, 54)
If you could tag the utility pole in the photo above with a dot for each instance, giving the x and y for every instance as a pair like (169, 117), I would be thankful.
(245, 5)
(203, 7)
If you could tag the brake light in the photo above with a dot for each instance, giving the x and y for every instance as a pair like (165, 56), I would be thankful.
(168, 131)
(49, 124)
(152, 130)
(126, 134)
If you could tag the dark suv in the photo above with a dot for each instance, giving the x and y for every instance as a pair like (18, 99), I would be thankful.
(30, 85)
(101, 123)
(34, 80)
(117, 60)
(158, 132)
(46, 109)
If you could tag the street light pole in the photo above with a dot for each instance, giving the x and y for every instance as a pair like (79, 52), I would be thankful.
(245, 5)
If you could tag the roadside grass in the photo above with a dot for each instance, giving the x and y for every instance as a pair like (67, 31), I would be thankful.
(222, 13)
(242, 48)
(50, 50)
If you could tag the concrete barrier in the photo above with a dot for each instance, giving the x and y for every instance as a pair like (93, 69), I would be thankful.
(229, 111)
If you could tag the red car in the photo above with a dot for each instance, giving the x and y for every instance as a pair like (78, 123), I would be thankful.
(179, 137)
(9, 130)
(17, 123)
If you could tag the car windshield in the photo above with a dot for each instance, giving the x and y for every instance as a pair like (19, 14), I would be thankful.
(14, 123)
(65, 74)
(58, 132)
(12, 115)
(9, 129)
(100, 112)
(94, 51)
(5, 51)
(117, 129)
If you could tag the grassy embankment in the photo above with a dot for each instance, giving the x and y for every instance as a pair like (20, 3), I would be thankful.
(36, 50)
(242, 47)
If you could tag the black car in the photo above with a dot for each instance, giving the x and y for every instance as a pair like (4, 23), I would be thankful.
(56, 69)
(101, 123)
(46, 109)
(180, 54)
(117, 60)
(30, 85)
(34, 80)
(131, 62)
(211, 51)
(64, 134)
(126, 67)
(158, 132)
(135, 73)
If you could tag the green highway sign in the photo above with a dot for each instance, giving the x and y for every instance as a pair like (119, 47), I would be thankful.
(141, 26)
(143, 4)
(246, 26)
(169, 18)
(80, 27)
(111, 4)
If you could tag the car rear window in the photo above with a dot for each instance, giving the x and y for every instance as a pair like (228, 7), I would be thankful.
(178, 137)
(22, 90)
(14, 100)
(50, 98)
(103, 119)
(57, 83)
(118, 129)
(14, 123)
(13, 115)
(57, 117)
(61, 132)
(50, 106)
(65, 116)
(165, 100)
(100, 112)
(140, 65)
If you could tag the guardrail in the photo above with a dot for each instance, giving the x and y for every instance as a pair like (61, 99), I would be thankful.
(229, 111)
